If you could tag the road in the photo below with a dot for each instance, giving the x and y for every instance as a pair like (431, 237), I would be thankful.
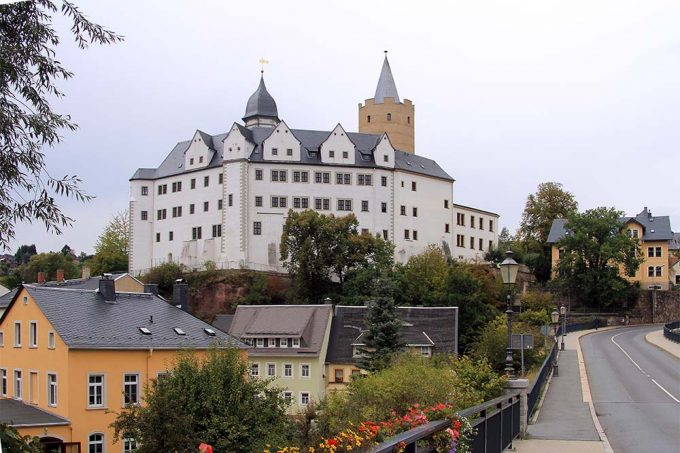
(635, 389)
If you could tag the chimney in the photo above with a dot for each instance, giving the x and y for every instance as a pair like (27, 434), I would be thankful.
(180, 295)
(151, 288)
(107, 288)
(60, 275)
(41, 277)
(85, 273)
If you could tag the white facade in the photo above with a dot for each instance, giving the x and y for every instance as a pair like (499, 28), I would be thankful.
(476, 233)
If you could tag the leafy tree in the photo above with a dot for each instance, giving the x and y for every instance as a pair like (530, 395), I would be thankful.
(164, 275)
(257, 292)
(410, 379)
(595, 251)
(12, 441)
(382, 337)
(30, 71)
(211, 400)
(550, 202)
(24, 253)
(111, 249)
(422, 279)
(48, 263)
(506, 242)
(316, 249)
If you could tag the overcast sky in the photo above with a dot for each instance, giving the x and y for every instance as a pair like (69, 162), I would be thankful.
(508, 94)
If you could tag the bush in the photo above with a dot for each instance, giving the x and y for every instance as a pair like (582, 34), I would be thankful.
(410, 379)
(538, 301)
(164, 276)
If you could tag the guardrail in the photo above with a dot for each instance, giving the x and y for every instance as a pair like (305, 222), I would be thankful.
(672, 331)
(535, 391)
(496, 423)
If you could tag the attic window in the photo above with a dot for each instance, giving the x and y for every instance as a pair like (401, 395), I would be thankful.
(652, 230)
(178, 331)
(408, 163)
(145, 331)
(422, 166)
(209, 331)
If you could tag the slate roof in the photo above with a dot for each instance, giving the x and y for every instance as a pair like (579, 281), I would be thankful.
(386, 87)
(91, 283)
(436, 326)
(654, 228)
(261, 103)
(223, 322)
(675, 243)
(6, 298)
(19, 414)
(305, 321)
(84, 320)
(310, 142)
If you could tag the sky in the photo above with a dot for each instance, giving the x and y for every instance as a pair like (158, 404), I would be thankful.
(508, 94)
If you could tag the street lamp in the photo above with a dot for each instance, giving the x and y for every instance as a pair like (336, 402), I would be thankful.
(563, 313)
(555, 318)
(509, 268)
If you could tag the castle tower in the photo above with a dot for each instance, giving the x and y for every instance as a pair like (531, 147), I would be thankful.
(261, 108)
(387, 113)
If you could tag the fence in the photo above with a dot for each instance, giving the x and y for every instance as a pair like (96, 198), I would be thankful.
(496, 423)
(536, 388)
(672, 331)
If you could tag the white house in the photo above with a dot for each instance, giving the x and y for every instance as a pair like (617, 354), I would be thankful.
(476, 233)
(224, 198)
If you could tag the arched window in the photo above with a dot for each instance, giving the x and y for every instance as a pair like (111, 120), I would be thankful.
(95, 443)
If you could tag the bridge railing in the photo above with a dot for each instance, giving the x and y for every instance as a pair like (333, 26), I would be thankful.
(672, 331)
(535, 391)
(496, 424)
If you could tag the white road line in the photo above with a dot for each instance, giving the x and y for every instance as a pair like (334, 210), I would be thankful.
(641, 370)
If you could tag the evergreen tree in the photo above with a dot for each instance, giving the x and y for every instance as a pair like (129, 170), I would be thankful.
(382, 337)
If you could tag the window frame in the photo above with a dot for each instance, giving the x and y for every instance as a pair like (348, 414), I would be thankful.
(134, 385)
(96, 442)
(16, 341)
(52, 389)
(286, 368)
(32, 334)
(92, 391)
(303, 367)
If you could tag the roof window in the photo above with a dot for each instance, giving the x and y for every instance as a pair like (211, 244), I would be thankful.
(178, 331)
(145, 331)
(209, 331)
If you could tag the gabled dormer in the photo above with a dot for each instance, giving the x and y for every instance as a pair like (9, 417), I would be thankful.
(281, 145)
(200, 151)
(337, 148)
(383, 153)
(237, 144)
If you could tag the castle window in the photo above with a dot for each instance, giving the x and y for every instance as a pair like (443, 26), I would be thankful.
(257, 231)
(289, 152)
(258, 201)
(386, 158)
(415, 235)
(369, 118)
(258, 175)
(345, 154)
(193, 183)
(408, 119)
(364, 205)
(407, 234)
(383, 181)
(385, 235)
(383, 207)
(191, 161)
(145, 190)
(389, 117)
(447, 228)
(145, 215)
(275, 151)
(200, 159)
(331, 154)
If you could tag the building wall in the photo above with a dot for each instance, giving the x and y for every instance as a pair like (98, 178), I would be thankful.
(347, 372)
(401, 126)
(467, 228)
(127, 283)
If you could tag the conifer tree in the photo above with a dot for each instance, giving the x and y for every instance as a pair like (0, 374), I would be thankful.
(382, 337)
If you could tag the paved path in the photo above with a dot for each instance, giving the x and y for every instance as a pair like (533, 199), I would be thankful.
(635, 389)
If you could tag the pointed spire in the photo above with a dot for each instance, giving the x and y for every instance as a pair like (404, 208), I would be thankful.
(261, 103)
(386, 86)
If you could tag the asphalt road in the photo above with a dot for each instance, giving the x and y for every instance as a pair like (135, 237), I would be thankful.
(635, 389)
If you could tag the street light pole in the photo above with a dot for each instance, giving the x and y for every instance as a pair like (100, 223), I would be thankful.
(509, 268)
(563, 313)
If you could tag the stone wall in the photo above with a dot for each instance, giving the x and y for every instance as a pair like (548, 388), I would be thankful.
(666, 309)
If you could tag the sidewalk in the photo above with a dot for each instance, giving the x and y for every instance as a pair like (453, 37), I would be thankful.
(566, 421)
(657, 339)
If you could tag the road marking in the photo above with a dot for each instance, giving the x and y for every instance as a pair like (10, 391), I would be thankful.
(641, 370)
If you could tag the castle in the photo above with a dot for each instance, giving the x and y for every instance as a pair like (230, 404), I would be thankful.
(224, 198)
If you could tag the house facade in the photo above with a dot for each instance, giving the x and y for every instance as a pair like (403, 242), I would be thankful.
(656, 240)
(80, 355)
(476, 233)
(224, 198)
(288, 347)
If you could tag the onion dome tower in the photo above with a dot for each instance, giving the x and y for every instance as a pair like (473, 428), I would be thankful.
(261, 108)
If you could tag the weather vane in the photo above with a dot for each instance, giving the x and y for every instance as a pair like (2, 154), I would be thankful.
(263, 62)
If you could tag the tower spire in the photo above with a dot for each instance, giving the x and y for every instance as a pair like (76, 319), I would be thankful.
(386, 87)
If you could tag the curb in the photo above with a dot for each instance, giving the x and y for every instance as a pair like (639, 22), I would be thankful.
(660, 347)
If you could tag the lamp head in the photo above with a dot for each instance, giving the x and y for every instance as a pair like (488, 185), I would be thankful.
(555, 317)
(563, 310)
(509, 269)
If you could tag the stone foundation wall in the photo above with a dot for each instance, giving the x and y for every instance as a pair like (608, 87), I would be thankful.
(666, 309)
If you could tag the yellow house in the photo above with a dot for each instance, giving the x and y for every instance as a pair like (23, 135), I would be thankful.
(655, 236)
(425, 331)
(81, 355)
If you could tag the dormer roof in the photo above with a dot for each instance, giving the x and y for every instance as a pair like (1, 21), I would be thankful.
(386, 87)
(261, 104)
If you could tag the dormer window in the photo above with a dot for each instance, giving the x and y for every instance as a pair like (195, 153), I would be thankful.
(208, 331)
(260, 343)
(145, 331)
(296, 342)
(179, 331)
(425, 351)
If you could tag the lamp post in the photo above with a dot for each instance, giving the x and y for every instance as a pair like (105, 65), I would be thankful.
(555, 318)
(509, 268)
(563, 313)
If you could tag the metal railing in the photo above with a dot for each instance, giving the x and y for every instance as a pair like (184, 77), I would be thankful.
(672, 331)
(536, 388)
(496, 424)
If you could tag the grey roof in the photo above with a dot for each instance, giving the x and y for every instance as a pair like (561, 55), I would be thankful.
(84, 320)
(91, 283)
(654, 228)
(207, 139)
(261, 103)
(308, 322)
(6, 298)
(223, 322)
(310, 141)
(19, 414)
(386, 87)
(436, 326)
(675, 243)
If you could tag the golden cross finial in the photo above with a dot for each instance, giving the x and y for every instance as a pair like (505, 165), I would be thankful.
(263, 62)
